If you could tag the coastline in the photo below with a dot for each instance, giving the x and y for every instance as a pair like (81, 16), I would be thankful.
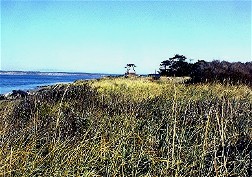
(27, 81)
(22, 93)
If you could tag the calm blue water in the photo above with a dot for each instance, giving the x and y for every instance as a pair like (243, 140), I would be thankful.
(31, 81)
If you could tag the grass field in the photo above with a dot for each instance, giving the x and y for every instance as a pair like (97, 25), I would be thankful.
(128, 127)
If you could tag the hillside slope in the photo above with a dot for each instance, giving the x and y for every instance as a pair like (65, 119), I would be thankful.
(128, 127)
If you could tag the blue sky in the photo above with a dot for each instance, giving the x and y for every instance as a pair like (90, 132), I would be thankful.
(104, 36)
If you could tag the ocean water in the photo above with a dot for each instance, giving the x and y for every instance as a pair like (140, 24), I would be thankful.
(9, 82)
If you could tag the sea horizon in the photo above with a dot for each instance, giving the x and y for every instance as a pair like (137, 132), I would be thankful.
(50, 72)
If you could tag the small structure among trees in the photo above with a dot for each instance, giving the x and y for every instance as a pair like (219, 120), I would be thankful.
(154, 76)
(130, 70)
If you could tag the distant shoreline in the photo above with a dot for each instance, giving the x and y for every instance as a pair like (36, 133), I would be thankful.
(48, 73)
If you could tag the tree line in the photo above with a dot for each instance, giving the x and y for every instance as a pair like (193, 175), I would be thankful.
(203, 71)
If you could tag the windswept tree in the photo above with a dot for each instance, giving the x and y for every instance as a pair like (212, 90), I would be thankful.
(165, 67)
(175, 66)
(130, 69)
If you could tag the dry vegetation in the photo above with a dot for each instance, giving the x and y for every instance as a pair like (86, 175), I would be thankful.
(128, 127)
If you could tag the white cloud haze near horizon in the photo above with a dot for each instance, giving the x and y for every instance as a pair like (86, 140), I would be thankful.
(103, 37)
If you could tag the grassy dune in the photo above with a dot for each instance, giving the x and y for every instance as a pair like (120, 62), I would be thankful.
(128, 127)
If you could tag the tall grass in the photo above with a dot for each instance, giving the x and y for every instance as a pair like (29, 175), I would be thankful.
(128, 127)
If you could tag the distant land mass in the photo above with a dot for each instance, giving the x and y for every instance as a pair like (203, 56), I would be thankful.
(44, 73)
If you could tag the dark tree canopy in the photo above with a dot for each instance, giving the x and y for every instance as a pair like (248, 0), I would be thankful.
(175, 66)
(222, 71)
(202, 71)
(131, 65)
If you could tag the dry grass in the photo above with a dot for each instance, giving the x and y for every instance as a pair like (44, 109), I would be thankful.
(128, 127)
